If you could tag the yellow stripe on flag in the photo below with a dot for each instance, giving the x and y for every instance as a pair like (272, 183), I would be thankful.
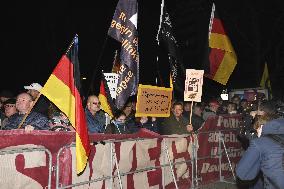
(105, 105)
(81, 155)
(220, 41)
(59, 93)
(226, 68)
(265, 81)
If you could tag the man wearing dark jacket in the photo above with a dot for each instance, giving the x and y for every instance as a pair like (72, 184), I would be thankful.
(265, 154)
(34, 120)
(176, 123)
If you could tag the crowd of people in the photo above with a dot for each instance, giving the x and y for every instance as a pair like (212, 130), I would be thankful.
(44, 115)
(262, 131)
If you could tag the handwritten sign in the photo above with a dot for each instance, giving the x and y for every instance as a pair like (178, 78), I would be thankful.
(193, 85)
(153, 101)
(112, 80)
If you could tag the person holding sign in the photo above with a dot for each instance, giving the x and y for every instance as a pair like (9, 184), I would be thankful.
(176, 123)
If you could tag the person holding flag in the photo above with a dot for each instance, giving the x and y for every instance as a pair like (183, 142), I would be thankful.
(66, 77)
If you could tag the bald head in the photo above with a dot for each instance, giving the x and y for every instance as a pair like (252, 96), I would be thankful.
(93, 104)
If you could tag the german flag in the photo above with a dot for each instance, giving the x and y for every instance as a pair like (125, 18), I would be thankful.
(107, 104)
(222, 56)
(63, 89)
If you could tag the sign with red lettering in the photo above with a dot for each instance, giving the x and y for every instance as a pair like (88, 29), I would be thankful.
(216, 130)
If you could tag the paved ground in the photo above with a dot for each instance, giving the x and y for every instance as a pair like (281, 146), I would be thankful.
(219, 185)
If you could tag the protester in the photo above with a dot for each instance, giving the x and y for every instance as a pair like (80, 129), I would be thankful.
(149, 123)
(58, 121)
(42, 103)
(118, 125)
(4, 95)
(176, 123)
(96, 118)
(186, 109)
(34, 120)
(129, 111)
(9, 110)
(197, 119)
(212, 110)
(231, 108)
(265, 153)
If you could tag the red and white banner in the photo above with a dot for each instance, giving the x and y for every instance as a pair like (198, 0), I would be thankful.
(31, 169)
(216, 127)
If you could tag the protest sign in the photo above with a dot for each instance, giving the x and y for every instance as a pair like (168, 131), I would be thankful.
(193, 85)
(153, 101)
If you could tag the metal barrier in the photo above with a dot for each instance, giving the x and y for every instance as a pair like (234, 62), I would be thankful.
(113, 159)
(166, 161)
(21, 150)
(219, 155)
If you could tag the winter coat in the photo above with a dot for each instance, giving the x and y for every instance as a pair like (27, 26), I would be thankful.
(37, 120)
(96, 124)
(266, 155)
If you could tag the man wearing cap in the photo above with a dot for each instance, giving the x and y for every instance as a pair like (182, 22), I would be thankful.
(42, 104)
(212, 111)
(9, 110)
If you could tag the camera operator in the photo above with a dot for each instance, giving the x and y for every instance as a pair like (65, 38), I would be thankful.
(265, 155)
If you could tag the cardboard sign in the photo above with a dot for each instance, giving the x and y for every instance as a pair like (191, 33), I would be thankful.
(153, 101)
(112, 80)
(193, 85)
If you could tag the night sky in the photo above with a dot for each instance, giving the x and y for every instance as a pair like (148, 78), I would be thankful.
(35, 34)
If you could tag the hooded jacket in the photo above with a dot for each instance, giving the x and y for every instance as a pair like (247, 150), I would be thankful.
(266, 155)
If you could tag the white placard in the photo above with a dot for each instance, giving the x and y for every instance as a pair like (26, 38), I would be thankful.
(193, 85)
(112, 80)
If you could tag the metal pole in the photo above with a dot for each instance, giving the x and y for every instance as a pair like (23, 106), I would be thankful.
(171, 165)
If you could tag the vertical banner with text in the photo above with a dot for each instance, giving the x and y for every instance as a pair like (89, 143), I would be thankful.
(123, 28)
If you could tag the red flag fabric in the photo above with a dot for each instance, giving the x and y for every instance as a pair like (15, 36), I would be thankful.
(63, 89)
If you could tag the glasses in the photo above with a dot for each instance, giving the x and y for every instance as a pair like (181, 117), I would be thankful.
(96, 103)
(9, 106)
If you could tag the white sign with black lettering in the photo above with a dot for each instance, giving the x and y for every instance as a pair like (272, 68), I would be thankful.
(193, 85)
(112, 80)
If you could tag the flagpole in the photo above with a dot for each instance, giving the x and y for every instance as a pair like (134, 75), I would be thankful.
(71, 44)
(161, 20)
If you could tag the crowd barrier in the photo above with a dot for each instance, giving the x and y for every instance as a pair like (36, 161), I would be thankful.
(44, 159)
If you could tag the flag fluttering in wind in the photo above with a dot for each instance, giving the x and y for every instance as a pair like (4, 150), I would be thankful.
(63, 89)
(107, 103)
(169, 43)
(222, 56)
(123, 28)
(265, 80)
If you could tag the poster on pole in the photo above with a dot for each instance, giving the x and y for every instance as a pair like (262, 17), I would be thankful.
(153, 101)
(112, 80)
(193, 85)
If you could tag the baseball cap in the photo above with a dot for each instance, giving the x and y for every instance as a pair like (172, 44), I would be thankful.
(214, 103)
(34, 86)
(10, 101)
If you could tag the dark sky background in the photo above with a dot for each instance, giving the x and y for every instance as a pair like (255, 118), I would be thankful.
(35, 34)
